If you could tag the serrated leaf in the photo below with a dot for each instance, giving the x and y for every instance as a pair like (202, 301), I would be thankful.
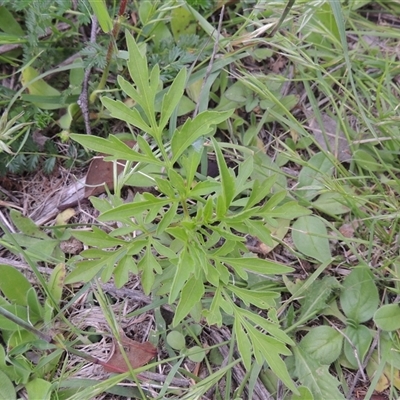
(121, 111)
(260, 230)
(243, 343)
(268, 348)
(191, 294)
(213, 314)
(167, 218)
(242, 216)
(261, 299)
(193, 129)
(205, 187)
(315, 376)
(359, 298)
(317, 296)
(85, 271)
(323, 343)
(177, 183)
(190, 163)
(272, 328)
(184, 269)
(227, 178)
(260, 191)
(146, 84)
(273, 202)
(131, 209)
(172, 98)
(255, 264)
(97, 238)
(289, 210)
(114, 147)
(246, 168)
(121, 272)
(148, 264)
(310, 237)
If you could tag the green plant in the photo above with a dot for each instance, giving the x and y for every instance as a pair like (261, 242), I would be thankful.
(192, 240)
(347, 343)
(28, 359)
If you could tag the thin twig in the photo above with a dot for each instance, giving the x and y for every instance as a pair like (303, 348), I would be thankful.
(111, 49)
(83, 101)
(5, 313)
(181, 382)
(367, 358)
(211, 63)
(360, 366)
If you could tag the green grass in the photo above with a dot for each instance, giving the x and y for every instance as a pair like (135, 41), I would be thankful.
(277, 277)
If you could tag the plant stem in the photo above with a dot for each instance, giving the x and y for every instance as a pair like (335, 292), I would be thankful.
(25, 325)
(111, 45)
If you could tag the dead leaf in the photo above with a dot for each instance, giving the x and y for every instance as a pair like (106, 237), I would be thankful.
(347, 230)
(71, 246)
(101, 173)
(329, 137)
(39, 139)
(65, 216)
(138, 354)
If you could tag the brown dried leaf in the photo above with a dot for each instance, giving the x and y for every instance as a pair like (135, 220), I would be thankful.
(65, 216)
(347, 230)
(101, 173)
(329, 137)
(138, 354)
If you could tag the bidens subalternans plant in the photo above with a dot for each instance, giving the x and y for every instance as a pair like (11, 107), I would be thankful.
(188, 242)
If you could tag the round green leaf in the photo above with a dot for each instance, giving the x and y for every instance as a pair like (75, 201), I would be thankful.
(361, 338)
(196, 354)
(331, 203)
(324, 344)
(38, 389)
(176, 340)
(359, 298)
(310, 237)
(387, 317)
